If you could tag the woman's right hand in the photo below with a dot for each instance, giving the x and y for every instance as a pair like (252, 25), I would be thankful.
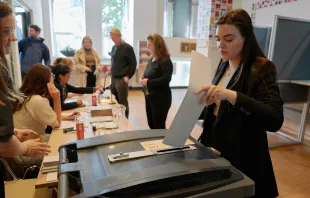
(79, 102)
(88, 69)
(54, 92)
(35, 148)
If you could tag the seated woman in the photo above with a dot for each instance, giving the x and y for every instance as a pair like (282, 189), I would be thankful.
(35, 112)
(62, 74)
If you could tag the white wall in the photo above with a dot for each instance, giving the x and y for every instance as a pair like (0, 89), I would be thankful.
(144, 19)
(47, 21)
(265, 16)
(37, 18)
(93, 12)
(237, 4)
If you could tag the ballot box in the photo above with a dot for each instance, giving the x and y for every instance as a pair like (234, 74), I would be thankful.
(137, 164)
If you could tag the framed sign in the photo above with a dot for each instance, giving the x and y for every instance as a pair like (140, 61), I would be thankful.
(187, 47)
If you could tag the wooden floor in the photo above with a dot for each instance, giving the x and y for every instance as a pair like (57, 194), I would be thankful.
(291, 163)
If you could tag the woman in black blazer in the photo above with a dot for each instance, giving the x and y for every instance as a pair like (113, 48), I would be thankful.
(243, 103)
(155, 81)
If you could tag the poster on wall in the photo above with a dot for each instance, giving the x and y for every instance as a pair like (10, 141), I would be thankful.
(187, 47)
(265, 4)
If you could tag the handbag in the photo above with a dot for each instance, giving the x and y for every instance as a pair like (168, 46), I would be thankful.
(30, 171)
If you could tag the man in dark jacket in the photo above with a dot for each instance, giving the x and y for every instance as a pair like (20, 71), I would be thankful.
(32, 50)
(124, 63)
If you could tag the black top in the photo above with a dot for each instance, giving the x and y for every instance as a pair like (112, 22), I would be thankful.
(69, 88)
(239, 131)
(159, 75)
(123, 61)
(6, 120)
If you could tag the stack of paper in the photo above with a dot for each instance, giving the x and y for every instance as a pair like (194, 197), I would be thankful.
(50, 164)
(106, 125)
(101, 119)
(51, 177)
(92, 108)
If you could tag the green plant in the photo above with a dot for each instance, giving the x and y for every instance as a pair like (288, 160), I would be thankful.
(68, 51)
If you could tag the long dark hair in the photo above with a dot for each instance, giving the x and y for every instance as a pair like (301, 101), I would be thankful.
(251, 51)
(7, 91)
(60, 69)
(35, 83)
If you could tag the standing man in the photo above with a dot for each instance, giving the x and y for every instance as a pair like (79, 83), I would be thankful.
(123, 61)
(33, 50)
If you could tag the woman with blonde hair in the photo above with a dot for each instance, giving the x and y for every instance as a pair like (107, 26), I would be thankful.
(87, 62)
(155, 81)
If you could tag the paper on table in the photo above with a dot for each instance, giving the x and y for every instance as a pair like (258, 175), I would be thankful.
(51, 176)
(67, 124)
(158, 144)
(74, 100)
(106, 125)
(101, 119)
(50, 159)
(91, 108)
(184, 121)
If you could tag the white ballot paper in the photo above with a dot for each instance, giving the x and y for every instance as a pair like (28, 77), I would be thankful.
(184, 121)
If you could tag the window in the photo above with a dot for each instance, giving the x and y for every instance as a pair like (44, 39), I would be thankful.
(69, 26)
(180, 18)
(114, 15)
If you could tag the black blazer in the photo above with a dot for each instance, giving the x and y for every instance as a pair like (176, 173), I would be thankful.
(239, 131)
(69, 88)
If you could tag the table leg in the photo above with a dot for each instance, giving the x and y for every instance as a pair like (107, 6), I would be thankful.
(304, 118)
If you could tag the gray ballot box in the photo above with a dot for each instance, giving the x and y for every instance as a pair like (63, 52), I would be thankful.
(117, 165)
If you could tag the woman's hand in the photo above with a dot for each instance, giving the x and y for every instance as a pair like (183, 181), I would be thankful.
(54, 92)
(72, 116)
(87, 69)
(21, 133)
(214, 93)
(36, 149)
(126, 79)
(79, 102)
(144, 82)
(98, 89)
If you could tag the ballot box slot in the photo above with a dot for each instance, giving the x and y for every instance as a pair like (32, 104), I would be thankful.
(139, 154)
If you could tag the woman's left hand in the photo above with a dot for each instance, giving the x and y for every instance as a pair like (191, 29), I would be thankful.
(144, 82)
(21, 133)
(214, 93)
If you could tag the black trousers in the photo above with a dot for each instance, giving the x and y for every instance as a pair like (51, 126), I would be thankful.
(119, 88)
(157, 107)
(91, 78)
